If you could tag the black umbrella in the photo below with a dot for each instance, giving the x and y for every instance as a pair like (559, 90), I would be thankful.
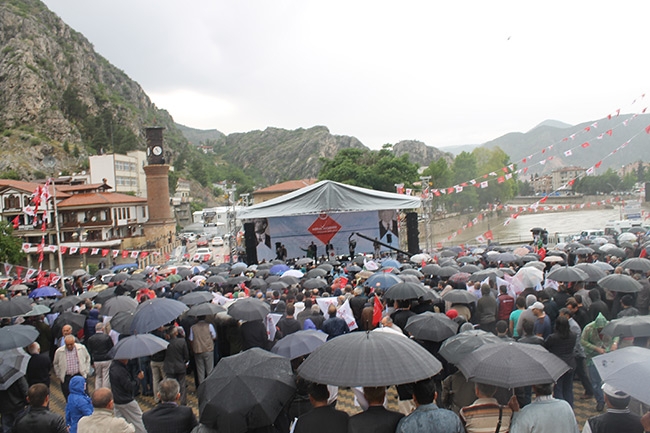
(216, 279)
(154, 313)
(369, 359)
(278, 285)
(458, 296)
(405, 290)
(184, 286)
(105, 295)
(470, 269)
(258, 284)
(205, 309)
(246, 391)
(15, 336)
(233, 281)
(584, 251)
(160, 285)
(326, 266)
(491, 273)
(75, 320)
(121, 322)
(431, 326)
(636, 264)
(289, 279)
(618, 252)
(185, 272)
(512, 365)
(447, 271)
(132, 284)
(194, 298)
(299, 343)
(17, 306)
(65, 303)
(118, 278)
(117, 304)
(315, 283)
(594, 272)
(458, 346)
(567, 274)
(620, 283)
(248, 309)
(316, 272)
(137, 346)
(430, 269)
(633, 326)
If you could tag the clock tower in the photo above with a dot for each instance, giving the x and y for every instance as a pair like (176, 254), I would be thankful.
(155, 146)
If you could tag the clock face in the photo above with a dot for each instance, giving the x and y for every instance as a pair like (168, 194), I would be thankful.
(157, 150)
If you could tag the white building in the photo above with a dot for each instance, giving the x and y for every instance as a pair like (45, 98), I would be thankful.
(124, 172)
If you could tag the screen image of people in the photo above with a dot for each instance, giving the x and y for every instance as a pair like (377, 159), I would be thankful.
(388, 227)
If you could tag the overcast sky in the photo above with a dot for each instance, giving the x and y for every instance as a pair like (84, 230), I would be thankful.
(445, 73)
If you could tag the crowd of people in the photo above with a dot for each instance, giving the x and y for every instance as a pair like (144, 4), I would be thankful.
(566, 318)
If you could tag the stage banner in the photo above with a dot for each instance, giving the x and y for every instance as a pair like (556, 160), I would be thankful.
(330, 233)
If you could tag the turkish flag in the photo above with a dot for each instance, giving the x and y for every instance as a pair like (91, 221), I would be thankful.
(16, 222)
(488, 235)
(377, 312)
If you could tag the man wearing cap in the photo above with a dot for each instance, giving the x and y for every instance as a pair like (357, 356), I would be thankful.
(617, 418)
(596, 343)
(542, 326)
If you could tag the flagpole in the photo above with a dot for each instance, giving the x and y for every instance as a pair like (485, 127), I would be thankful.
(56, 225)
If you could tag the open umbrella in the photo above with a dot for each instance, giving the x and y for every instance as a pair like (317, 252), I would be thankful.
(447, 271)
(567, 274)
(105, 295)
(467, 259)
(460, 345)
(279, 269)
(431, 326)
(636, 264)
(316, 272)
(632, 326)
(383, 280)
(289, 279)
(627, 369)
(299, 343)
(620, 283)
(315, 283)
(16, 306)
(117, 304)
(470, 269)
(65, 303)
(458, 296)
(507, 258)
(413, 272)
(405, 290)
(75, 320)
(137, 346)
(293, 273)
(460, 278)
(194, 298)
(604, 266)
(205, 309)
(594, 272)
(512, 365)
(369, 359)
(13, 366)
(553, 259)
(44, 292)
(118, 278)
(248, 309)
(121, 322)
(430, 269)
(304, 261)
(245, 391)
(174, 278)
(154, 313)
(326, 266)
(15, 336)
(184, 286)
(37, 310)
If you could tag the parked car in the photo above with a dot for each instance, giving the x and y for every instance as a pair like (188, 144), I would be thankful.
(202, 242)
(217, 241)
(202, 255)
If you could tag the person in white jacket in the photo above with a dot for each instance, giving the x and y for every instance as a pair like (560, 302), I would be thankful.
(70, 360)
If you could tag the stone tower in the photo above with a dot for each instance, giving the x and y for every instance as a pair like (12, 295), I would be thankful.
(161, 221)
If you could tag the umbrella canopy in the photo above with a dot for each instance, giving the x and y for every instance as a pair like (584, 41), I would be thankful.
(512, 365)
(105, 295)
(289, 279)
(121, 322)
(13, 366)
(154, 313)
(447, 271)
(205, 309)
(44, 292)
(118, 278)
(584, 251)
(117, 304)
(430, 269)
(65, 303)
(299, 343)
(278, 269)
(633, 326)
(636, 264)
(604, 266)
(326, 266)
(507, 258)
(184, 286)
(75, 320)
(38, 310)
(383, 280)
(405, 290)
(419, 258)
(467, 259)
(15, 336)
(470, 269)
(369, 359)
(627, 369)
(17, 306)
(618, 252)
(491, 273)
(315, 283)
(174, 278)
(137, 346)
(413, 272)
(194, 298)
(293, 273)
(620, 283)
(460, 277)
(316, 272)
(458, 296)
(594, 272)
(248, 309)
(457, 347)
(304, 261)
(246, 391)
(627, 236)
(431, 326)
(567, 274)
(553, 259)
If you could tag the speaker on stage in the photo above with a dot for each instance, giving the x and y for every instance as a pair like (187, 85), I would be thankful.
(250, 242)
(412, 233)
(647, 191)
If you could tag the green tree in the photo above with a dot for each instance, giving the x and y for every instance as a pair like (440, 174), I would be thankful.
(493, 161)
(464, 169)
(10, 246)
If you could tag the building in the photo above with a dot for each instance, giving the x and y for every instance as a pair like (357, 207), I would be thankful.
(125, 172)
(542, 184)
(561, 178)
(279, 189)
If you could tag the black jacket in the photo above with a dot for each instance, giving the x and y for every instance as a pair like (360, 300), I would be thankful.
(176, 356)
(123, 384)
(13, 399)
(98, 346)
(38, 369)
(41, 420)
(169, 418)
(253, 334)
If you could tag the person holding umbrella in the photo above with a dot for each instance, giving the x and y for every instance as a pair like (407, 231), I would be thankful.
(544, 415)
(124, 386)
(375, 419)
(596, 343)
(323, 418)
(427, 417)
(617, 418)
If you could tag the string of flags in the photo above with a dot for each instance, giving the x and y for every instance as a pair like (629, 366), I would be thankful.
(25, 274)
(134, 254)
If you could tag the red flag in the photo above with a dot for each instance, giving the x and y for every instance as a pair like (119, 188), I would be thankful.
(585, 144)
(16, 222)
(125, 254)
(104, 252)
(647, 129)
(63, 249)
(488, 235)
(597, 165)
(609, 132)
(377, 311)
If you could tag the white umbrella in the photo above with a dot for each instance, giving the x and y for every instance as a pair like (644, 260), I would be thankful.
(293, 273)
(13, 365)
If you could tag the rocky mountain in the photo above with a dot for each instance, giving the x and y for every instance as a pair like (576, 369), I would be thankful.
(420, 153)
(58, 96)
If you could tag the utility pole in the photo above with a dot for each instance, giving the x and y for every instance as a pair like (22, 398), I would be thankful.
(426, 209)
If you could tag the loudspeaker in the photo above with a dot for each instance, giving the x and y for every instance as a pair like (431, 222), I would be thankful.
(250, 242)
(647, 191)
(412, 233)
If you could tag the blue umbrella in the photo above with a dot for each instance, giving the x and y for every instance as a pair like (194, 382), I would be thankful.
(44, 292)
(391, 264)
(278, 269)
(383, 279)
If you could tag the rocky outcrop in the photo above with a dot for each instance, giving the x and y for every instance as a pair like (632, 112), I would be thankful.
(420, 153)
